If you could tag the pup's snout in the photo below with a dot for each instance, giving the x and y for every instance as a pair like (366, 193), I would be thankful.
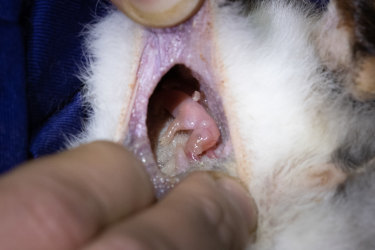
(159, 13)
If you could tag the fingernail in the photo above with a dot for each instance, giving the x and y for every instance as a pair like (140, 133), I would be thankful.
(159, 13)
(240, 197)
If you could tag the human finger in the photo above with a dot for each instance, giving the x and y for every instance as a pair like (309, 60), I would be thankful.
(200, 213)
(159, 13)
(60, 202)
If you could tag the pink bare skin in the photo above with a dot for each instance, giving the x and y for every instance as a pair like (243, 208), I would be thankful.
(190, 115)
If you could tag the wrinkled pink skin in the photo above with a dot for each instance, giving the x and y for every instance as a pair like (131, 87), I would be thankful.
(190, 115)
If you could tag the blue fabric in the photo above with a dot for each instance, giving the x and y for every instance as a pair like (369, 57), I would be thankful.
(54, 56)
(13, 113)
(40, 53)
(10, 10)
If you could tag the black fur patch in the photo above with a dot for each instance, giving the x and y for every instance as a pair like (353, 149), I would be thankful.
(249, 5)
(359, 18)
(364, 26)
(358, 148)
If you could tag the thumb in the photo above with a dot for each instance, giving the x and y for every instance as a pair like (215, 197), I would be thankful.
(159, 13)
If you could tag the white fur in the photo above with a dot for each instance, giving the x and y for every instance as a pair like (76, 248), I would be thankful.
(288, 124)
(112, 46)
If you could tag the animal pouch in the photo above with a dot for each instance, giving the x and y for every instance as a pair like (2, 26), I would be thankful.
(278, 93)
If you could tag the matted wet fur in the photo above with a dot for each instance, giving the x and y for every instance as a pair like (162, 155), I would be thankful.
(297, 85)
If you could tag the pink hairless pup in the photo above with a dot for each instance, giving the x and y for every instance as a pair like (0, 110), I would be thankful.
(190, 115)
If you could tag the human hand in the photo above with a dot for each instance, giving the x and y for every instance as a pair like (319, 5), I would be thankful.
(98, 196)
(159, 13)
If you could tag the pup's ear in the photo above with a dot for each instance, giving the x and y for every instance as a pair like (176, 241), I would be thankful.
(346, 43)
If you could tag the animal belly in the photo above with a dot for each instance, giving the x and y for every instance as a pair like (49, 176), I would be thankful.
(242, 94)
